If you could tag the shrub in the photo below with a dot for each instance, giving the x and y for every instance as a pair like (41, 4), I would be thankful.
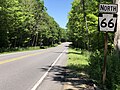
(113, 69)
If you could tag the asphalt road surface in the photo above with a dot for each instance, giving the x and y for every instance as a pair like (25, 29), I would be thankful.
(34, 70)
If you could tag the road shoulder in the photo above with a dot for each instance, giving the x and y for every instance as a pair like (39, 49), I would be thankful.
(55, 78)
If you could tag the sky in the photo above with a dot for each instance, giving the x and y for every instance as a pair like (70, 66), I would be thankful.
(58, 9)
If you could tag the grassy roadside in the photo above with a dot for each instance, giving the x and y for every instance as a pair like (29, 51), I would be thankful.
(11, 50)
(85, 66)
(77, 59)
(17, 49)
(77, 77)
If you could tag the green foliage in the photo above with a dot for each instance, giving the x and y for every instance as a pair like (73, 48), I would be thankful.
(17, 49)
(92, 63)
(113, 69)
(82, 23)
(26, 23)
(96, 63)
(83, 32)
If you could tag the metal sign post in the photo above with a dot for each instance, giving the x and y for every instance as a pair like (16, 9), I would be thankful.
(107, 23)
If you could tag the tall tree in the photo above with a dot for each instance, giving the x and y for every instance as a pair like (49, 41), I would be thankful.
(26, 23)
(117, 34)
(82, 23)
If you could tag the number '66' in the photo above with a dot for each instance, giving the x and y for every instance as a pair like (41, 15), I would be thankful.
(110, 23)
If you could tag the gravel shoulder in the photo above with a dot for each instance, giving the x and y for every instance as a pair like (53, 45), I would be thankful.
(81, 81)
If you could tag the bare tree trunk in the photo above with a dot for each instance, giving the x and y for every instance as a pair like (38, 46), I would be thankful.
(33, 41)
(117, 34)
(36, 40)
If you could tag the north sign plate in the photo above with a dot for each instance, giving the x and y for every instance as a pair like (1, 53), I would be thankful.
(108, 8)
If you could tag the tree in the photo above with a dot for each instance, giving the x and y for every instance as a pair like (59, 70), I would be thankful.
(10, 11)
(26, 23)
(117, 34)
(82, 23)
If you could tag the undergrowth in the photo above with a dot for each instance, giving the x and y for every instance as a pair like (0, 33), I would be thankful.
(92, 63)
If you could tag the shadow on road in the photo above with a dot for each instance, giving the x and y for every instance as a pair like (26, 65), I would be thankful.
(77, 78)
(58, 73)
(71, 79)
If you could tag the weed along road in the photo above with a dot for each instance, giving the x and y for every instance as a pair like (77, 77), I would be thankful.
(33, 70)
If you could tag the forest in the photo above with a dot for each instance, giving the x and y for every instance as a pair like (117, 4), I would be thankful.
(84, 34)
(26, 23)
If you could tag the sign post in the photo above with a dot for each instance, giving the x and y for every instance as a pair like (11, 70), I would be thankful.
(107, 23)
(105, 56)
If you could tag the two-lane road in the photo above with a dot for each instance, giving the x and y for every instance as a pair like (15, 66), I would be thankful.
(24, 70)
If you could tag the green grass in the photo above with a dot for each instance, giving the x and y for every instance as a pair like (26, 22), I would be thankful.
(78, 57)
(78, 65)
(4, 51)
(17, 49)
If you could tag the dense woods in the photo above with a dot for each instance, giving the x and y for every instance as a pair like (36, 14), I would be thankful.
(25, 23)
(83, 25)
(83, 32)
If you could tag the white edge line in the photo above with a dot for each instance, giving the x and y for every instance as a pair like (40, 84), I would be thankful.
(43, 77)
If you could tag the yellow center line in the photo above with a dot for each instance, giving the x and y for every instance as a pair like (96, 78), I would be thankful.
(19, 58)
(22, 57)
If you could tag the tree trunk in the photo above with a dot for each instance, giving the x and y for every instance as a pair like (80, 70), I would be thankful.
(117, 34)
(36, 41)
(33, 41)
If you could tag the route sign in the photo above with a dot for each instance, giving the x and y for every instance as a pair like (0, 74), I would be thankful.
(108, 8)
(107, 22)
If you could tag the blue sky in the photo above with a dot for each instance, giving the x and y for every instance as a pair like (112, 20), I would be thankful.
(59, 9)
